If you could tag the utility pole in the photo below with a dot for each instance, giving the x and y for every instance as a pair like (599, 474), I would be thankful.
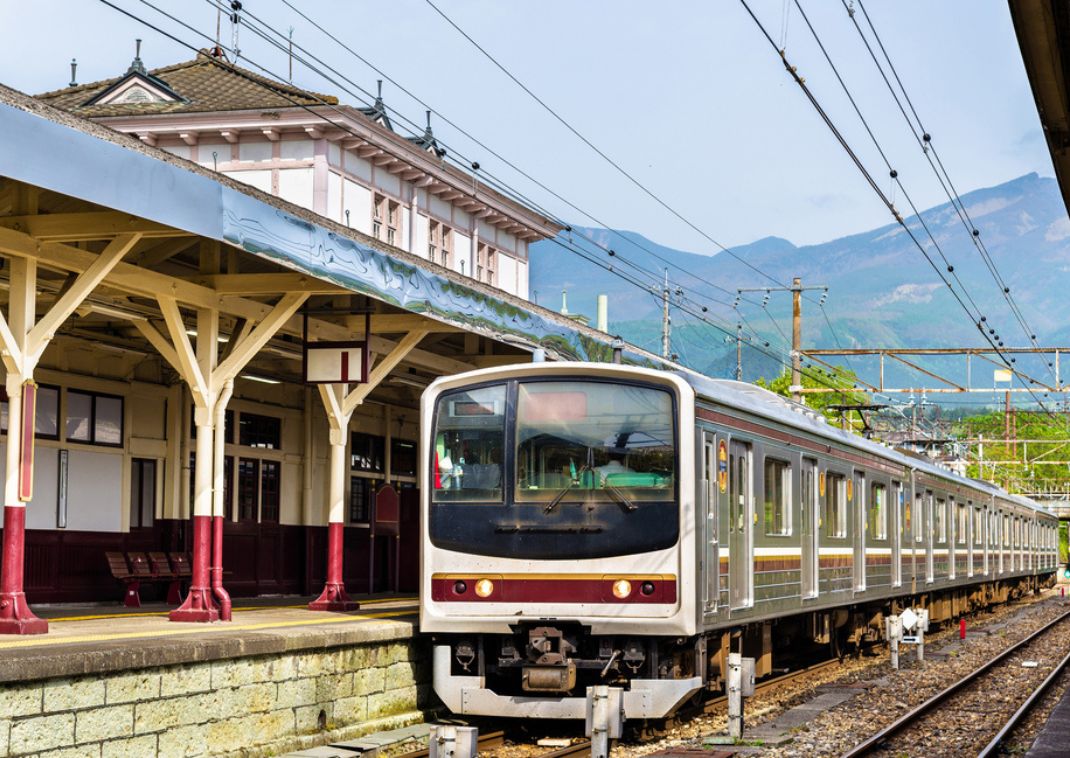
(739, 340)
(666, 324)
(796, 289)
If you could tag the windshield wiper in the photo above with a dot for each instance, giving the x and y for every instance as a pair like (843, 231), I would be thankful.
(620, 497)
(564, 490)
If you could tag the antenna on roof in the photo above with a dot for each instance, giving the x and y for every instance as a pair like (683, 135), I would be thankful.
(291, 55)
(74, 69)
(379, 96)
(136, 64)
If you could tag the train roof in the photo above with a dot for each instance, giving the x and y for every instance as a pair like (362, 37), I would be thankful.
(758, 401)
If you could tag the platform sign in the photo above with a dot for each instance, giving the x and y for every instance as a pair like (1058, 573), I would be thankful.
(336, 362)
(29, 418)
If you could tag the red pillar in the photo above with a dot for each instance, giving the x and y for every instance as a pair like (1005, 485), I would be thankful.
(199, 605)
(15, 614)
(334, 597)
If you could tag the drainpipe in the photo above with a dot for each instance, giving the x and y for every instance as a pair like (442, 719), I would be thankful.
(217, 500)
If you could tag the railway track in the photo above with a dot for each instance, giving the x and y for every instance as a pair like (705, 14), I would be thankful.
(989, 684)
(584, 748)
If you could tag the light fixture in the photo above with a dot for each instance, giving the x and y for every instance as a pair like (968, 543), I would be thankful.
(262, 379)
(622, 588)
(484, 588)
(220, 338)
(408, 381)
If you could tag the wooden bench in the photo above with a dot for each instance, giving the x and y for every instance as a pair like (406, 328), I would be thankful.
(136, 567)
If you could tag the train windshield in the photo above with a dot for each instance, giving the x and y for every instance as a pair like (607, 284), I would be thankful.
(583, 441)
(554, 469)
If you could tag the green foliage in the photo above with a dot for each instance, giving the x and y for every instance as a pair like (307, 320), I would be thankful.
(1037, 466)
(839, 378)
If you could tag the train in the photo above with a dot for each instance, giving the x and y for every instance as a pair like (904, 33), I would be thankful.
(601, 523)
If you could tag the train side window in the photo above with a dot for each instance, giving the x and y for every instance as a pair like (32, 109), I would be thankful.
(777, 498)
(878, 512)
(1006, 530)
(978, 526)
(919, 517)
(940, 520)
(836, 505)
(961, 523)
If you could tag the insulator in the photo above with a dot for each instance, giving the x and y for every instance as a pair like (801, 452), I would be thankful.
(1007, 290)
(976, 232)
(893, 173)
(926, 137)
(951, 269)
(983, 318)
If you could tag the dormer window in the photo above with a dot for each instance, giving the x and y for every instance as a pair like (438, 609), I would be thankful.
(136, 88)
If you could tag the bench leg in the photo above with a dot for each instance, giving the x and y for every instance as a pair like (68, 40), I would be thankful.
(174, 592)
(133, 596)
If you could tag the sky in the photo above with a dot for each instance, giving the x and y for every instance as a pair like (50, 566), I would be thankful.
(688, 97)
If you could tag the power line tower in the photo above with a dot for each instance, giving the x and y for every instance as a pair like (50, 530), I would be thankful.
(796, 289)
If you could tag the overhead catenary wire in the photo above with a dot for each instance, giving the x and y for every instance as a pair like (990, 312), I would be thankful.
(793, 73)
(924, 141)
(699, 315)
(493, 181)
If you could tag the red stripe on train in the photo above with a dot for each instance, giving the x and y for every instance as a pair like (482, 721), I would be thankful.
(542, 590)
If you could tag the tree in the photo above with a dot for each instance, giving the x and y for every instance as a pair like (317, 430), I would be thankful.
(839, 378)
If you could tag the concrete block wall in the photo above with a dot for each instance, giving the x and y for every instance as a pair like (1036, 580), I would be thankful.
(256, 705)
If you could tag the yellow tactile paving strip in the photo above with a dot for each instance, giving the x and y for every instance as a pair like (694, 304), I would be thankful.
(154, 625)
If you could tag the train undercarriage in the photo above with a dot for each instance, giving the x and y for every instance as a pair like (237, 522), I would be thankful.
(547, 665)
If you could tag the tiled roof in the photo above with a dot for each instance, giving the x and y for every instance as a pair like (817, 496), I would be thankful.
(206, 84)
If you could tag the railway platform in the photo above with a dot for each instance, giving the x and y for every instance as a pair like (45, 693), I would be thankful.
(277, 678)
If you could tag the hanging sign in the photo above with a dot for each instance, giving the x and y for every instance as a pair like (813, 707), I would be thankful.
(29, 415)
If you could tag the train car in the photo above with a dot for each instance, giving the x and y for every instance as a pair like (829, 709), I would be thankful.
(590, 523)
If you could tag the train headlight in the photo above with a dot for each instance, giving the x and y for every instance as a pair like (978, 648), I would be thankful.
(484, 588)
(622, 588)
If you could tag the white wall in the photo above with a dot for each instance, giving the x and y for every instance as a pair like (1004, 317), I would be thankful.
(388, 182)
(334, 197)
(358, 201)
(403, 243)
(251, 152)
(505, 276)
(522, 279)
(259, 178)
(358, 166)
(423, 229)
(462, 251)
(296, 185)
(296, 150)
(94, 489)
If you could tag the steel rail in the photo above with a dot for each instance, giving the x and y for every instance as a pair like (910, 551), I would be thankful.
(908, 718)
(484, 742)
(1027, 706)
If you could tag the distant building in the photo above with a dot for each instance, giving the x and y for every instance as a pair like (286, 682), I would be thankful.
(342, 162)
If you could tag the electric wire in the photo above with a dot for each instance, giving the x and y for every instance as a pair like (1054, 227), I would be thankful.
(924, 141)
(792, 71)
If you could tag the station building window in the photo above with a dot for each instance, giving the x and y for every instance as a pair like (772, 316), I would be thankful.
(367, 453)
(255, 430)
(485, 263)
(46, 422)
(385, 219)
(777, 498)
(402, 458)
(439, 243)
(361, 490)
(142, 492)
(836, 506)
(269, 492)
(248, 488)
(878, 512)
(94, 418)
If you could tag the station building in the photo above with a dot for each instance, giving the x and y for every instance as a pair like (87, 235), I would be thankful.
(162, 310)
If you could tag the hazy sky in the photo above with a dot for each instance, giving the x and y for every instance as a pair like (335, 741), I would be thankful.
(685, 95)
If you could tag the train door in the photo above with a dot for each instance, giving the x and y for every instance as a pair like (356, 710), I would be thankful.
(927, 507)
(741, 522)
(858, 507)
(809, 528)
(896, 533)
(711, 476)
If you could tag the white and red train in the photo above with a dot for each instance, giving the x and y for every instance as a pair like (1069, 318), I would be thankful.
(592, 523)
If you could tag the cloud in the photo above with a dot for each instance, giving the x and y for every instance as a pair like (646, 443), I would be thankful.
(912, 294)
(1058, 230)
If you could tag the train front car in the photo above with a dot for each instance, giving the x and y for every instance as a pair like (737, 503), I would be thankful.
(558, 538)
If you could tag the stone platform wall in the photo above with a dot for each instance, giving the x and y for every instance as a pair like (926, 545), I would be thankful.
(256, 705)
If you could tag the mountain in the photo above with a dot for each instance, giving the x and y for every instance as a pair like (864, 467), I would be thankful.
(882, 292)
